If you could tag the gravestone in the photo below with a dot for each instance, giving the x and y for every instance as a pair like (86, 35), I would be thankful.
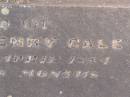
(64, 48)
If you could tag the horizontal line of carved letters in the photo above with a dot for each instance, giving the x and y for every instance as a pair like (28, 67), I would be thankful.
(51, 59)
(53, 74)
(50, 42)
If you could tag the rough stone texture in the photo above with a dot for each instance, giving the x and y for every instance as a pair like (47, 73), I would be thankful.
(124, 3)
(104, 25)
(107, 65)
(84, 2)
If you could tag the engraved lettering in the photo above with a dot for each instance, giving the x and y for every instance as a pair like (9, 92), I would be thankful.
(116, 44)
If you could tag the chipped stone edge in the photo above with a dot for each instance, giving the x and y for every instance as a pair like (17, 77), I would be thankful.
(127, 6)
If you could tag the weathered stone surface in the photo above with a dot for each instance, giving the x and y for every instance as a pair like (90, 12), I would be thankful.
(57, 51)
(113, 3)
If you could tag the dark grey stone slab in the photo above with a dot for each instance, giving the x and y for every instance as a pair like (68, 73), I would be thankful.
(64, 51)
